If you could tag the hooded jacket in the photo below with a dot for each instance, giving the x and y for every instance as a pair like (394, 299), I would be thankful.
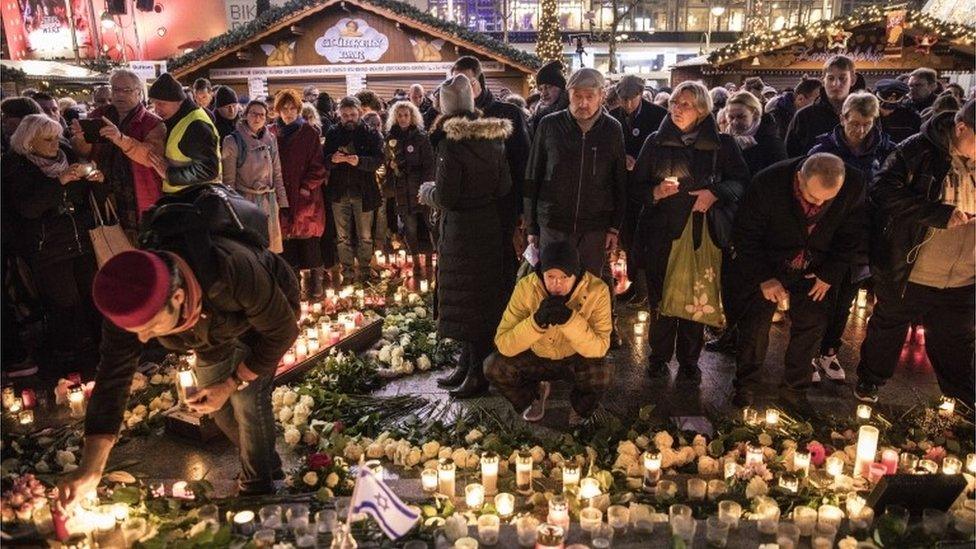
(876, 148)
(587, 333)
(409, 162)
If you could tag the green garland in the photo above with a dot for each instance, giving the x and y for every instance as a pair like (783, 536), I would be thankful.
(238, 36)
(12, 74)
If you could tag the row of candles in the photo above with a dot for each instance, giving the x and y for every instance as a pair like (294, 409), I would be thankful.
(401, 260)
(21, 408)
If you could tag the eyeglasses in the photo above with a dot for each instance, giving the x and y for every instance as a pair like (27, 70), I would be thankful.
(124, 90)
(858, 126)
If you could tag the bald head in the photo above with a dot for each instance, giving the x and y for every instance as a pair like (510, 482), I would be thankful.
(821, 177)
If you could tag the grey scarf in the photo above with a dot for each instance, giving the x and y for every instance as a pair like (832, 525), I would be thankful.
(52, 167)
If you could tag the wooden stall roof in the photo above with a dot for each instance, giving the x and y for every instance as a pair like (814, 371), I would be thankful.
(295, 11)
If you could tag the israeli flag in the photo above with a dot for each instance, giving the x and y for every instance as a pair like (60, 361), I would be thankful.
(374, 498)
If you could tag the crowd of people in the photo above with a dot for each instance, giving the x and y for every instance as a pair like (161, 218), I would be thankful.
(734, 206)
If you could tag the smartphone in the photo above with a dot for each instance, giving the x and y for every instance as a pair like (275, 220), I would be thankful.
(91, 126)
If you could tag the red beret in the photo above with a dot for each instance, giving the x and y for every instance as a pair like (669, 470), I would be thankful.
(131, 288)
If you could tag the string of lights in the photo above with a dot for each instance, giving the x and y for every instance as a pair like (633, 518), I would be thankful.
(549, 46)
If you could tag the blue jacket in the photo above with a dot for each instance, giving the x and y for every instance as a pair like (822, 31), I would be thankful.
(869, 160)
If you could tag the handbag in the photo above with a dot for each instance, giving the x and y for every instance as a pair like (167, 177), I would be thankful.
(108, 239)
(692, 280)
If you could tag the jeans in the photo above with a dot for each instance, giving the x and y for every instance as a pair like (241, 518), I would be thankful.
(840, 311)
(247, 421)
(671, 336)
(411, 225)
(346, 212)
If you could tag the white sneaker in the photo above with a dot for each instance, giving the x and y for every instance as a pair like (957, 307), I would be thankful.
(537, 410)
(815, 378)
(831, 367)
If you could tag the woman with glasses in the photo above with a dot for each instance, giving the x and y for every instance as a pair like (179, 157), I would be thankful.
(251, 165)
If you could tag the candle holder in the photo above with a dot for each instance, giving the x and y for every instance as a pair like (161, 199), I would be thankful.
(867, 447)
(750, 416)
(186, 386)
(18, 404)
(754, 455)
(571, 476)
(772, 418)
(889, 458)
(26, 417)
(474, 496)
(559, 512)
(243, 522)
(927, 466)
(947, 406)
(489, 472)
(445, 477)
(589, 488)
(428, 480)
(907, 462)
(505, 504)
(951, 465)
(863, 412)
(7, 397)
(523, 472)
(652, 470)
(801, 462)
(789, 482)
(76, 400)
(834, 466)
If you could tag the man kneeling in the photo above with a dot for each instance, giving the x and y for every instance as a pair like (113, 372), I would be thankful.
(557, 326)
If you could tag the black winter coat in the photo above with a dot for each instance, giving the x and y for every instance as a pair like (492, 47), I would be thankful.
(902, 123)
(907, 193)
(360, 180)
(542, 111)
(769, 148)
(472, 176)
(648, 120)
(782, 111)
(868, 160)
(770, 228)
(250, 314)
(517, 146)
(576, 182)
(809, 122)
(409, 162)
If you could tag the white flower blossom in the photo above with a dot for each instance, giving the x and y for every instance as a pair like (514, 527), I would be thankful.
(756, 487)
(423, 363)
(292, 436)
(311, 478)
(290, 398)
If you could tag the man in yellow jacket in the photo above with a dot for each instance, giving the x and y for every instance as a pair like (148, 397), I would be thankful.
(556, 326)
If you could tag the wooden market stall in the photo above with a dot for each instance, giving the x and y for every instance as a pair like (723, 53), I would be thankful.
(884, 42)
(341, 46)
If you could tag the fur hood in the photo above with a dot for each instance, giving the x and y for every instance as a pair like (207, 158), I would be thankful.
(458, 129)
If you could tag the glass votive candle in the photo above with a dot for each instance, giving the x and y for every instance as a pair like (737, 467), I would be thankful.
(642, 518)
(787, 535)
(527, 529)
(754, 455)
(559, 512)
(801, 462)
(767, 516)
(805, 519)
(859, 525)
(243, 522)
(601, 536)
(696, 489)
(678, 510)
(750, 415)
(907, 462)
(428, 479)
(571, 475)
(951, 465)
(652, 468)
(876, 471)
(264, 538)
(830, 514)
(325, 520)
(889, 458)
(934, 522)
(716, 532)
(772, 417)
(684, 527)
(618, 517)
(896, 517)
(489, 472)
(589, 488)
(730, 511)
(550, 537)
(927, 466)
(834, 466)
(26, 417)
(474, 495)
(523, 472)
(505, 504)
(824, 533)
(863, 412)
(716, 488)
(488, 527)
(665, 490)
(789, 482)
(466, 543)
(590, 518)
(297, 516)
(445, 477)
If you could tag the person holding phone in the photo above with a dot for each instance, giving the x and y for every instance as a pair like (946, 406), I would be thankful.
(127, 136)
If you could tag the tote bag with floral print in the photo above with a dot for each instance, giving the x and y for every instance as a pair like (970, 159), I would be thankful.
(691, 283)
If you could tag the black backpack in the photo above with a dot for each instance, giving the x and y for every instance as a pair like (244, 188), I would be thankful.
(186, 222)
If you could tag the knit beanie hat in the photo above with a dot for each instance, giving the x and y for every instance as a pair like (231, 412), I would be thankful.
(166, 88)
(225, 96)
(455, 95)
(560, 255)
(551, 73)
(131, 288)
(630, 86)
(586, 78)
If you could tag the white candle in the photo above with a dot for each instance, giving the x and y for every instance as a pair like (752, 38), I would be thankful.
(311, 333)
(951, 465)
(835, 467)
(642, 316)
(488, 528)
(716, 488)
(288, 359)
(867, 447)
(730, 469)
(652, 468)
(380, 258)
(181, 490)
(317, 307)
(523, 471)
(489, 472)
(505, 504)
(830, 514)
(244, 522)
(559, 512)
(754, 455)
(26, 417)
(971, 463)
(801, 462)
(772, 417)
(947, 405)
(928, 466)
(445, 477)
(428, 479)
(639, 329)
(571, 475)
(750, 415)
(76, 400)
(474, 495)
(187, 383)
(854, 505)
(424, 286)
(313, 346)
(301, 349)
(863, 412)
(789, 482)
(696, 489)
(590, 518)
(589, 488)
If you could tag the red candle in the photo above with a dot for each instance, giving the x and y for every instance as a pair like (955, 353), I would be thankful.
(357, 317)
(876, 471)
(60, 522)
(29, 398)
(889, 458)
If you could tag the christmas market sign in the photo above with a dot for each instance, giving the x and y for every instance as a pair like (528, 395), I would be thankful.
(352, 41)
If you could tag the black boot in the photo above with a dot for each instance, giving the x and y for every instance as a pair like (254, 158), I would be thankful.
(475, 384)
(456, 377)
(305, 284)
(318, 283)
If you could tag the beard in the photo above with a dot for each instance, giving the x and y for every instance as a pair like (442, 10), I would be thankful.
(349, 125)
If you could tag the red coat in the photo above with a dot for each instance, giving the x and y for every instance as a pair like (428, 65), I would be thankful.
(303, 171)
(146, 182)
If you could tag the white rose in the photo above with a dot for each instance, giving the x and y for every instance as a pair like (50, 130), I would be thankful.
(708, 467)
(405, 340)
(311, 478)
(538, 454)
(413, 458)
(290, 398)
(353, 452)
(277, 396)
(139, 382)
(423, 363)
(69, 467)
(396, 361)
(310, 437)
(445, 452)
(413, 298)
(375, 450)
(460, 457)
(384, 355)
(284, 415)
(307, 401)
(332, 480)
(42, 467)
(756, 487)
(623, 462)
(627, 447)
(292, 436)
(407, 367)
(132, 421)
(64, 457)
(663, 440)
(421, 312)
(430, 449)
(299, 419)
(157, 379)
(140, 410)
(473, 461)
(473, 436)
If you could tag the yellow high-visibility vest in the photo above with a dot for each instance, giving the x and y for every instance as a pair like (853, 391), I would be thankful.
(175, 156)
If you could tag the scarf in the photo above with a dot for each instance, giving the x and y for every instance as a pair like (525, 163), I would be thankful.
(747, 139)
(959, 187)
(193, 306)
(52, 167)
(588, 123)
(812, 213)
(287, 131)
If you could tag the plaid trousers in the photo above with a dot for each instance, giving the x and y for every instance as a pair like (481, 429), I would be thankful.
(517, 378)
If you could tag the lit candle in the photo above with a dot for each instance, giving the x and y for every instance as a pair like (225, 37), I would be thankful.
(559, 512)
(835, 467)
(862, 298)
(18, 404)
(801, 462)
(951, 465)
(947, 405)
(28, 398)
(772, 417)
(830, 514)
(488, 528)
(317, 307)
(244, 522)
(863, 412)
(424, 286)
(428, 479)
(589, 488)
(867, 447)
(26, 417)
(445, 477)
(854, 505)
(754, 455)
(750, 416)
(523, 472)
(505, 504)
(187, 382)
(590, 518)
(8, 397)
(639, 329)
(360, 294)
(652, 468)
(889, 458)
(311, 333)
(571, 475)
(789, 482)
(120, 511)
(102, 519)
(489, 472)
(313, 346)
(971, 463)
(927, 466)
(335, 335)
(288, 359)
(907, 462)
(380, 258)
(876, 471)
(301, 349)
(697, 488)
(642, 316)
(76, 400)
(716, 488)
(474, 495)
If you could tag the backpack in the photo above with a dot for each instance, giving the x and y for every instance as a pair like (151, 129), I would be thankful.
(188, 221)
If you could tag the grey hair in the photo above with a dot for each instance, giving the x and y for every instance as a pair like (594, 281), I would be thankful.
(131, 75)
(863, 103)
(33, 126)
(415, 118)
(829, 167)
(703, 101)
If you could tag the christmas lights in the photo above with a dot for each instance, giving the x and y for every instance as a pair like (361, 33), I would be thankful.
(549, 46)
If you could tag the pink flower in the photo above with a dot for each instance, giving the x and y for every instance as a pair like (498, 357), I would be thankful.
(817, 453)
(936, 454)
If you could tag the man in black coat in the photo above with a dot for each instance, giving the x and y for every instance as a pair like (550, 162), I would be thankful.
(822, 116)
(923, 88)
(898, 120)
(784, 107)
(552, 92)
(923, 262)
(639, 118)
(796, 234)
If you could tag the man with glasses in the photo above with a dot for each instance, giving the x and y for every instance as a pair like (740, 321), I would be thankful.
(131, 135)
(923, 88)
(897, 120)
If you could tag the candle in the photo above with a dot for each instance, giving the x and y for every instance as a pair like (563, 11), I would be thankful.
(772, 417)
(571, 475)
(716, 488)
(103, 519)
(380, 257)
(652, 468)
(907, 462)
(927, 466)
(971, 463)
(863, 412)
(76, 400)
(830, 514)
(187, 382)
(445, 477)
(488, 527)
(854, 505)
(244, 522)
(181, 490)
(489, 472)
(301, 349)
(424, 286)
(876, 471)
(642, 316)
(590, 518)
(474, 495)
(696, 489)
(428, 479)
(313, 346)
(789, 482)
(311, 333)
(28, 398)
(466, 543)
(523, 472)
(505, 504)
(729, 469)
(639, 329)
(618, 517)
(303, 307)
(750, 416)
(754, 455)
(867, 447)
(559, 512)
(589, 488)
(729, 511)
(527, 528)
(862, 298)
(947, 405)
(334, 335)
(889, 457)
(288, 359)
(835, 467)
(801, 462)
(18, 404)
(805, 519)
(120, 511)
(951, 465)
(330, 294)
(26, 417)
(8, 397)
(317, 307)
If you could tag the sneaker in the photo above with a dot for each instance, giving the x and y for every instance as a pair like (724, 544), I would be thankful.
(537, 410)
(866, 391)
(22, 369)
(815, 378)
(830, 367)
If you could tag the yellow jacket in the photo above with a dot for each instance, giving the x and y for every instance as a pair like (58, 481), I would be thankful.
(587, 332)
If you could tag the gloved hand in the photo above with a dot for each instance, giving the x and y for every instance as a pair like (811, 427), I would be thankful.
(558, 312)
(426, 193)
(541, 316)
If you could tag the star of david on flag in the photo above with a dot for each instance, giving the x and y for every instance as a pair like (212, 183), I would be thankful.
(374, 498)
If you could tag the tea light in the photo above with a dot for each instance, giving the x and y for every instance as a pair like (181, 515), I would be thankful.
(488, 528)
(523, 472)
(834, 466)
(867, 447)
(505, 504)
(801, 462)
(805, 519)
(772, 417)
(789, 482)
(244, 522)
(907, 462)
(889, 458)
(424, 286)
(466, 543)
(18, 404)
(730, 469)
(863, 412)
(428, 479)
(971, 463)
(928, 466)
(730, 511)
(445, 477)
(642, 316)
(947, 406)
(571, 475)
(301, 349)
(876, 471)
(590, 518)
(26, 417)
(28, 398)
(716, 488)
(652, 468)
(489, 472)
(639, 329)
(951, 465)
(7, 397)
(313, 346)
(754, 455)
(288, 359)
(589, 488)
(474, 496)
(830, 514)
(854, 505)
(76, 401)
(559, 512)
(317, 307)
(750, 416)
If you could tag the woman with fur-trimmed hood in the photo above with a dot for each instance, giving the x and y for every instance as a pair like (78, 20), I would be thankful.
(471, 175)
